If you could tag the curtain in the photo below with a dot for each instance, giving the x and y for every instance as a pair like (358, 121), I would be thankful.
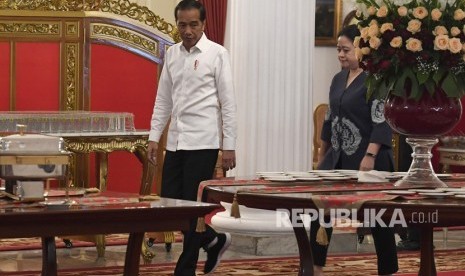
(216, 19)
(271, 43)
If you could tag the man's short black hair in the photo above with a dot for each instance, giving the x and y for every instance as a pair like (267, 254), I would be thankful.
(190, 4)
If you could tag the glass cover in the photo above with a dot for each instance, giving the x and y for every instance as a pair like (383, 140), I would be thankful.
(66, 121)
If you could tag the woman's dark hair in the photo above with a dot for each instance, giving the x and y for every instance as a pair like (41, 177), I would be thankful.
(190, 4)
(350, 31)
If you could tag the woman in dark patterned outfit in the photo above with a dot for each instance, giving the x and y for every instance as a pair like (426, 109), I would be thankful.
(355, 136)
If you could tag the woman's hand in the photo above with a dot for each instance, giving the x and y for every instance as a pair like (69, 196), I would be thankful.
(367, 164)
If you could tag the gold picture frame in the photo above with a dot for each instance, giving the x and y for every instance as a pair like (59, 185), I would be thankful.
(328, 15)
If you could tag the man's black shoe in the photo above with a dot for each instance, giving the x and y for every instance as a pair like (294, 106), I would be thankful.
(215, 252)
(408, 245)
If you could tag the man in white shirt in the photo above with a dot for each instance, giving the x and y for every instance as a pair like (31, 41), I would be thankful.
(196, 91)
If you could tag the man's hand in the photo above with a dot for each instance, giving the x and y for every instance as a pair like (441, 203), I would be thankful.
(229, 160)
(152, 152)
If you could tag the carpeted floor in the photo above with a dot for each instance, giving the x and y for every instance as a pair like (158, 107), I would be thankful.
(448, 263)
(365, 264)
(35, 243)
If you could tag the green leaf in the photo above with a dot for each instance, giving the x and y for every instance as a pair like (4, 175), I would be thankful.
(430, 87)
(400, 84)
(369, 84)
(460, 85)
(382, 90)
(414, 89)
(439, 75)
(449, 85)
(422, 77)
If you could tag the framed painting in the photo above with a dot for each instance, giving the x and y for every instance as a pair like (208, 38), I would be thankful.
(328, 15)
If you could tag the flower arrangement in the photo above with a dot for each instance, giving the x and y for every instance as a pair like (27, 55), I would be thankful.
(414, 44)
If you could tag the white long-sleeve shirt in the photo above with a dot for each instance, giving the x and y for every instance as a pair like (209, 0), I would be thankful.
(196, 91)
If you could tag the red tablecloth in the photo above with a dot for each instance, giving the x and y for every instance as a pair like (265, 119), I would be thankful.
(346, 200)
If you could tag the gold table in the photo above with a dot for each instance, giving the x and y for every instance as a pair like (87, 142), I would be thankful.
(102, 144)
(450, 156)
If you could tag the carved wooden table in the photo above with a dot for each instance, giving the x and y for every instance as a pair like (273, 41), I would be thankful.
(299, 196)
(104, 213)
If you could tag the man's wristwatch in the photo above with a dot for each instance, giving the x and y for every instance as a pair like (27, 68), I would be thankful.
(370, 154)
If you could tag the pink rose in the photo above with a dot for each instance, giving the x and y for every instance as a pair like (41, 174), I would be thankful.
(396, 42)
(385, 27)
(402, 11)
(454, 31)
(440, 30)
(357, 41)
(382, 11)
(373, 30)
(441, 42)
(364, 33)
(455, 46)
(459, 14)
(371, 10)
(436, 14)
(414, 26)
(420, 12)
(375, 42)
(413, 45)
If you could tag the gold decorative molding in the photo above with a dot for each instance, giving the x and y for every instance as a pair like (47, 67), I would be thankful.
(139, 13)
(22, 28)
(105, 144)
(119, 7)
(455, 157)
(71, 75)
(50, 5)
(166, 47)
(72, 29)
(126, 36)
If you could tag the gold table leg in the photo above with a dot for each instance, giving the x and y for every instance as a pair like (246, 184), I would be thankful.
(102, 161)
(148, 171)
(147, 253)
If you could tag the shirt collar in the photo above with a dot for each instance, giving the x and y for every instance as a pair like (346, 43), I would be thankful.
(201, 45)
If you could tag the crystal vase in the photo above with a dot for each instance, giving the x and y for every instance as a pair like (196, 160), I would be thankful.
(422, 121)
